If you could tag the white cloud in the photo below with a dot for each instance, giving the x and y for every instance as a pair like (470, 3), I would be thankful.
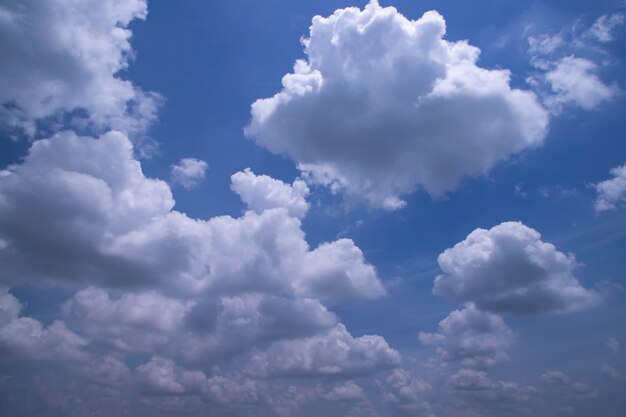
(198, 331)
(337, 270)
(603, 27)
(611, 192)
(62, 55)
(573, 81)
(384, 105)
(261, 192)
(335, 353)
(569, 62)
(107, 223)
(27, 338)
(189, 173)
(472, 338)
(510, 269)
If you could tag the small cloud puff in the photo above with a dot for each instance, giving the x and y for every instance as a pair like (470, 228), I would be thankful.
(189, 173)
(261, 192)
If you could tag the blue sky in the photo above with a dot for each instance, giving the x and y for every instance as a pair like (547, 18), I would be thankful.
(290, 208)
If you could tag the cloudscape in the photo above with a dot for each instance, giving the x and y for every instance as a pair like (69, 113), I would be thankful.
(294, 209)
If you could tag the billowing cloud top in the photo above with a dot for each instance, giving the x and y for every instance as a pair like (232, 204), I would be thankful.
(80, 209)
(384, 105)
(471, 337)
(509, 268)
(261, 192)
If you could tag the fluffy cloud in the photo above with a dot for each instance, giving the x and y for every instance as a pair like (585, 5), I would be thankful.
(384, 105)
(572, 80)
(261, 192)
(334, 353)
(197, 331)
(510, 269)
(408, 394)
(162, 376)
(612, 192)
(26, 338)
(472, 338)
(62, 55)
(189, 173)
(104, 221)
(569, 63)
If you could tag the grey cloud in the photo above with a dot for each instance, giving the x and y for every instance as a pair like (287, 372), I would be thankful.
(335, 353)
(24, 338)
(555, 378)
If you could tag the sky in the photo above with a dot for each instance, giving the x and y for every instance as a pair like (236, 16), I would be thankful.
(290, 208)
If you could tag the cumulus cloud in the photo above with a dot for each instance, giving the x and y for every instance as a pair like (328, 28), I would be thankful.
(472, 338)
(107, 223)
(335, 353)
(189, 173)
(162, 376)
(510, 269)
(384, 105)
(195, 331)
(611, 192)
(261, 192)
(26, 338)
(408, 394)
(62, 56)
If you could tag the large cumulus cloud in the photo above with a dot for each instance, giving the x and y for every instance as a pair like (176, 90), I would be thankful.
(508, 268)
(79, 209)
(196, 295)
(384, 105)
